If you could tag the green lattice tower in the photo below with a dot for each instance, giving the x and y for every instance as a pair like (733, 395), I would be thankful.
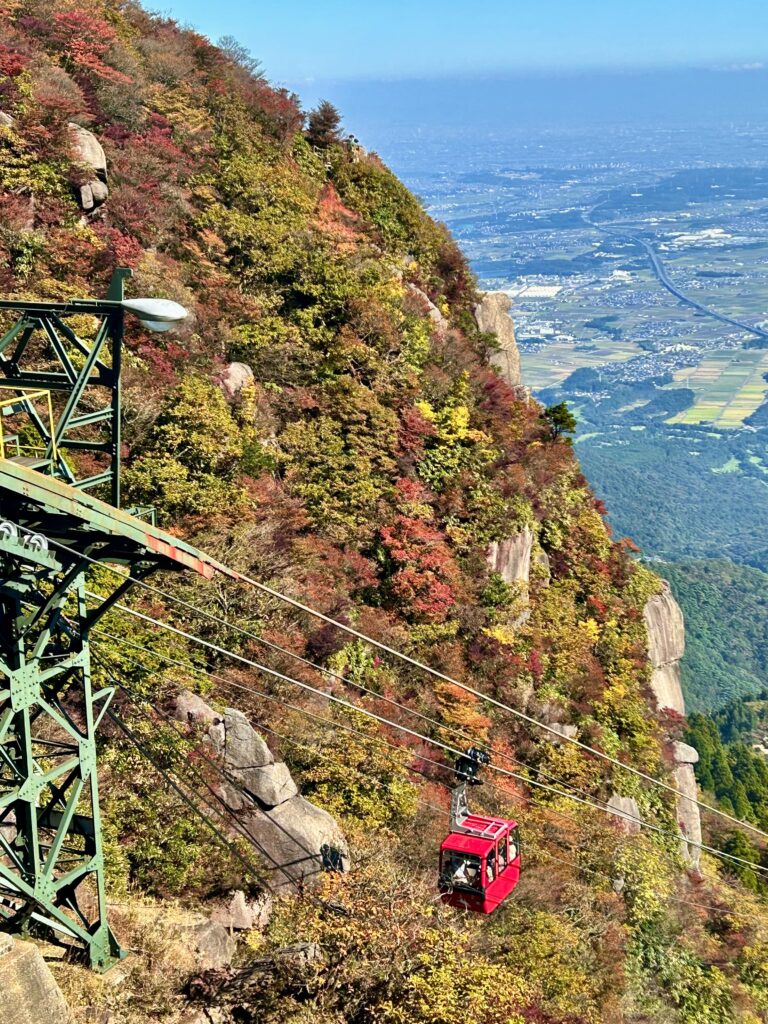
(52, 868)
(51, 531)
(51, 857)
(41, 349)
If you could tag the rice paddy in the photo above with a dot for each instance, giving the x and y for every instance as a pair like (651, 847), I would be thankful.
(729, 386)
(557, 360)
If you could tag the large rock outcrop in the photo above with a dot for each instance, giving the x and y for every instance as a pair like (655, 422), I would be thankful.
(511, 558)
(212, 943)
(297, 839)
(492, 316)
(89, 153)
(234, 378)
(688, 815)
(627, 813)
(240, 913)
(426, 306)
(666, 645)
(29, 991)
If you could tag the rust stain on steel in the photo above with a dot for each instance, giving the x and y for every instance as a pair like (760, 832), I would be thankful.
(171, 551)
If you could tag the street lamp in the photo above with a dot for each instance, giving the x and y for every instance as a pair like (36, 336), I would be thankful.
(156, 314)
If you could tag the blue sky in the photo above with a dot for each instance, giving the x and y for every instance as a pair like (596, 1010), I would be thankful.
(300, 41)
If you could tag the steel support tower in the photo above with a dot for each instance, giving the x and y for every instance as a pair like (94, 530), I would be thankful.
(52, 533)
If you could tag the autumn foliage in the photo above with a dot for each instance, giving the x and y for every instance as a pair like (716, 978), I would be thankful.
(327, 420)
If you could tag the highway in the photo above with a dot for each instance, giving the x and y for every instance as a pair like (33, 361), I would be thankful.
(661, 274)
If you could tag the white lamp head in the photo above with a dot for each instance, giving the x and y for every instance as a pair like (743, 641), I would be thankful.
(156, 314)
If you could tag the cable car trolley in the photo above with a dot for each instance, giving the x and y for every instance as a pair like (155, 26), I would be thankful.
(480, 859)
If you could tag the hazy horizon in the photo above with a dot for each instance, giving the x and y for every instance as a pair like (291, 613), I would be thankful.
(302, 40)
(391, 116)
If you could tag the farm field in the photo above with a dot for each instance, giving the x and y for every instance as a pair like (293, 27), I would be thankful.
(729, 386)
(740, 282)
(558, 360)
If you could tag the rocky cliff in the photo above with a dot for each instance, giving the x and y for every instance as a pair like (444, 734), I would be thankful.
(666, 646)
(492, 315)
(511, 559)
(296, 839)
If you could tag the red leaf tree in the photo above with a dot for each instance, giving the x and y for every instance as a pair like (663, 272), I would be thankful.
(422, 575)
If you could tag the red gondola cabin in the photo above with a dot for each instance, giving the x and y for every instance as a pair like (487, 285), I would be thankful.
(480, 866)
(480, 859)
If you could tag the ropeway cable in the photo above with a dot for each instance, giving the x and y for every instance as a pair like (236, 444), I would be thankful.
(432, 671)
(451, 730)
(344, 726)
(571, 845)
(513, 711)
(453, 750)
(408, 660)
(306, 713)
(340, 725)
(177, 728)
(331, 725)
(437, 743)
(571, 863)
(519, 714)
(492, 700)
(271, 645)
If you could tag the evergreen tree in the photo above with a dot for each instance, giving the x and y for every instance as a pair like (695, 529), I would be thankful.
(741, 804)
(729, 768)
(560, 418)
(721, 773)
(323, 128)
(738, 845)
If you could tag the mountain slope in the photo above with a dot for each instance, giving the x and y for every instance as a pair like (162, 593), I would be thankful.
(329, 421)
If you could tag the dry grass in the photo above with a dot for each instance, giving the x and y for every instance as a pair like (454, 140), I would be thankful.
(147, 986)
